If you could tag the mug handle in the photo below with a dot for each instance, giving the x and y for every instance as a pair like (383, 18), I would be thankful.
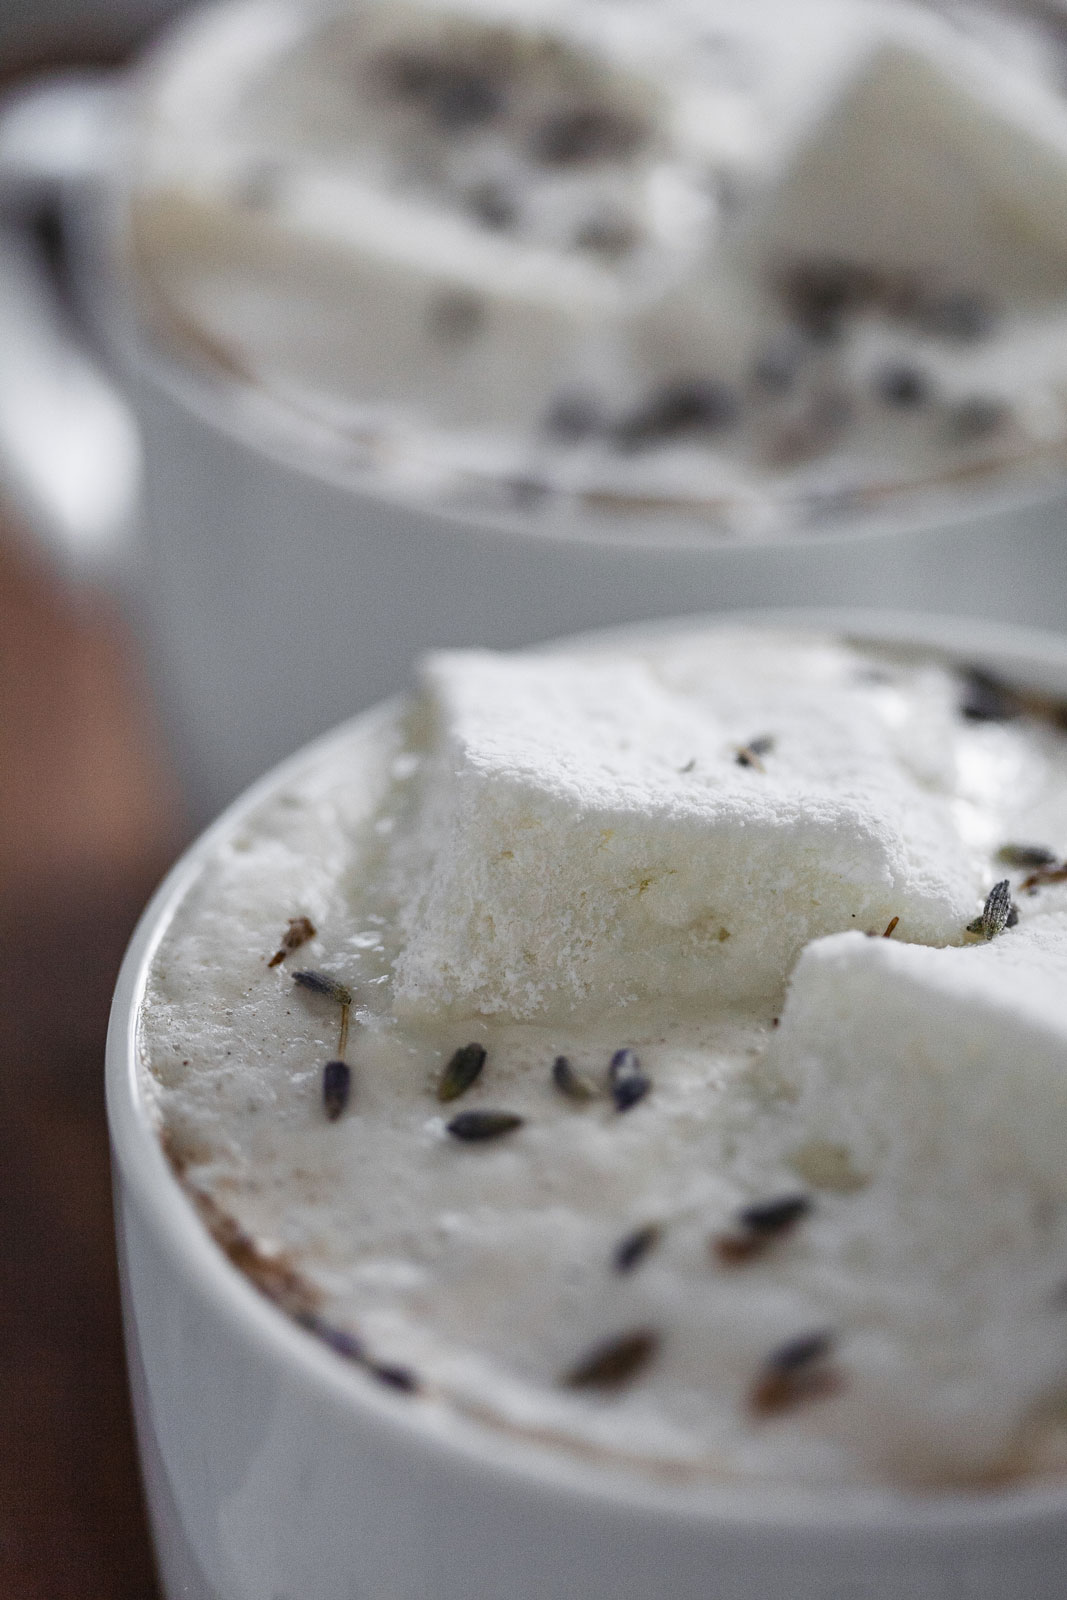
(70, 451)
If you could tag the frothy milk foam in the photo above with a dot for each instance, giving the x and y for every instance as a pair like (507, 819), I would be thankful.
(705, 1091)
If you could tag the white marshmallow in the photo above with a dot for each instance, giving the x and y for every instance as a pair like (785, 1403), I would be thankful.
(464, 318)
(923, 164)
(587, 834)
(934, 1067)
(936, 1082)
(364, 273)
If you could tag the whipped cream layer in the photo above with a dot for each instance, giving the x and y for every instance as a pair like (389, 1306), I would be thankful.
(774, 261)
(813, 1227)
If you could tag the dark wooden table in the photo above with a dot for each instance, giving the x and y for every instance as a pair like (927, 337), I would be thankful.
(88, 821)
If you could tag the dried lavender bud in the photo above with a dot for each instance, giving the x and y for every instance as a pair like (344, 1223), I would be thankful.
(456, 94)
(758, 1225)
(322, 983)
(614, 1362)
(995, 913)
(633, 1249)
(352, 1348)
(820, 294)
(474, 1126)
(493, 205)
(409, 74)
(336, 1085)
(344, 1343)
(574, 416)
(455, 318)
(1025, 855)
(776, 1216)
(750, 754)
(793, 1372)
(461, 1071)
(575, 1085)
(903, 385)
(976, 418)
(986, 699)
(796, 1354)
(400, 1378)
(961, 315)
(689, 405)
(588, 133)
(627, 1082)
(465, 98)
(299, 931)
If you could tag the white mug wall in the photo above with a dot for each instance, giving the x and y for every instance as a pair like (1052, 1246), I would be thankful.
(277, 602)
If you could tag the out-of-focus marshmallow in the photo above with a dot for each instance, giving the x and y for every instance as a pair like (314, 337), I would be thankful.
(922, 166)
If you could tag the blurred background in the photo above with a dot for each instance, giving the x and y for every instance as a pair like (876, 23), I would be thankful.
(45, 33)
(88, 822)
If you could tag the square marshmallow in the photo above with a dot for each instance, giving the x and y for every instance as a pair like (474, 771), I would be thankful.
(943, 1068)
(921, 164)
(586, 835)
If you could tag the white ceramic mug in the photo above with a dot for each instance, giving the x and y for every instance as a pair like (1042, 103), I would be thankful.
(278, 591)
(276, 1471)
